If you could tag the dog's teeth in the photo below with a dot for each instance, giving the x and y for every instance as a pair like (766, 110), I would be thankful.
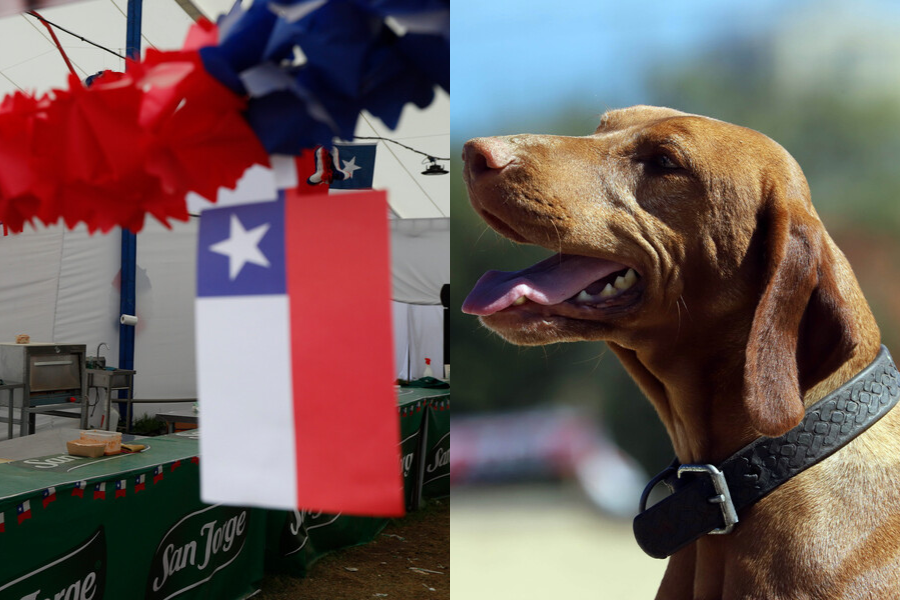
(608, 291)
(519, 301)
(630, 277)
(583, 296)
(621, 283)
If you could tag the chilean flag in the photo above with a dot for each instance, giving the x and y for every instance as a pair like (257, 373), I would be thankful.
(157, 474)
(2, 521)
(49, 495)
(24, 511)
(139, 483)
(121, 488)
(78, 490)
(100, 491)
(293, 307)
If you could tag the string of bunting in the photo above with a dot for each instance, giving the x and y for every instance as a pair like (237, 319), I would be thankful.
(274, 77)
(437, 404)
(97, 491)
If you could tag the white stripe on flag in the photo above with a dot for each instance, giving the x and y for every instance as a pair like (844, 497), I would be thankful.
(251, 338)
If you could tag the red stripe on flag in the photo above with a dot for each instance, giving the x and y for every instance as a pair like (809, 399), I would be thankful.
(339, 285)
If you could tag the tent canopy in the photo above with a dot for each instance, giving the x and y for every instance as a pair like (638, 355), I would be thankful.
(30, 62)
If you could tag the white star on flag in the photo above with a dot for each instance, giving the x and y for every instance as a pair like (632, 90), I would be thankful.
(350, 166)
(242, 247)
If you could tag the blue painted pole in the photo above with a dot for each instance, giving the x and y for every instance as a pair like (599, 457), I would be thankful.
(127, 304)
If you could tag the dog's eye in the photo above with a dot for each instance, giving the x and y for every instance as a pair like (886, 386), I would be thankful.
(663, 161)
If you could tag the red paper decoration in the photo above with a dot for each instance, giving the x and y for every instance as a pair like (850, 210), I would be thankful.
(129, 145)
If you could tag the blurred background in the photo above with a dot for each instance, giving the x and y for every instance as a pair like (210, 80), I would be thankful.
(551, 445)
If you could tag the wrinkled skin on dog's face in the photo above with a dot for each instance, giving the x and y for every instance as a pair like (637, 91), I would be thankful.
(669, 196)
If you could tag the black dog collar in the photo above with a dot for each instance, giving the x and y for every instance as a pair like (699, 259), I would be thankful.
(706, 499)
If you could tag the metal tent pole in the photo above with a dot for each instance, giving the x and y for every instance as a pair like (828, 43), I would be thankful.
(127, 305)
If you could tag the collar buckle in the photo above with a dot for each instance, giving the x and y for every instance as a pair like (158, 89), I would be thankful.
(722, 497)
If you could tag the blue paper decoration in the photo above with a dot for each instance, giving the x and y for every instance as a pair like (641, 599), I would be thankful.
(310, 66)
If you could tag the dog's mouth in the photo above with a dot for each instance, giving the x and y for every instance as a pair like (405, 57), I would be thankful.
(567, 285)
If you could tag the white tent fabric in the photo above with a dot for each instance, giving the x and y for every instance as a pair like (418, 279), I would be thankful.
(421, 264)
(29, 60)
(415, 339)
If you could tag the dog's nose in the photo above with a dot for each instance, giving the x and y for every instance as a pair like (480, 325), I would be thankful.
(486, 154)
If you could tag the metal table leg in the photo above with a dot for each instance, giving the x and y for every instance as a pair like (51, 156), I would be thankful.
(11, 414)
(10, 388)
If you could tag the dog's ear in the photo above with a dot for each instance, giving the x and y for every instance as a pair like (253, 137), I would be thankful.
(802, 330)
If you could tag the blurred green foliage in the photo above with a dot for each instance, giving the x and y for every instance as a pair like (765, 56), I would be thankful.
(846, 140)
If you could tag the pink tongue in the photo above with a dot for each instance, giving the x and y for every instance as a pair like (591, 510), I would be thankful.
(550, 281)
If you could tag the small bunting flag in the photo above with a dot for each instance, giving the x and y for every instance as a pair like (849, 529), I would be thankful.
(176, 464)
(23, 511)
(354, 166)
(157, 474)
(49, 495)
(2, 522)
(139, 483)
(195, 460)
(100, 491)
(79, 488)
(121, 488)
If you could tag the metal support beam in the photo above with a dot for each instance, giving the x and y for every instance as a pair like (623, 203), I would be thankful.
(133, 29)
(127, 304)
(190, 8)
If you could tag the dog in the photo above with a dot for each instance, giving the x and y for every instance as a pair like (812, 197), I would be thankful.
(691, 247)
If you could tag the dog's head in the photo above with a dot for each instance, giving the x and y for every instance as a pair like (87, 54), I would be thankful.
(665, 227)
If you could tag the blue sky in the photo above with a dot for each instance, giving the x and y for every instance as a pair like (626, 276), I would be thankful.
(513, 58)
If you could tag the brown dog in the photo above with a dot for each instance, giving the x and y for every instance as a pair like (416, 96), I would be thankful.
(691, 247)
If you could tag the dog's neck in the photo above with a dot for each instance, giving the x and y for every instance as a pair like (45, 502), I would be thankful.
(695, 399)
(699, 401)
(695, 384)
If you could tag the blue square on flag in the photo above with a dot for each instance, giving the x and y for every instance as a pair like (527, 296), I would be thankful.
(357, 162)
(242, 250)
